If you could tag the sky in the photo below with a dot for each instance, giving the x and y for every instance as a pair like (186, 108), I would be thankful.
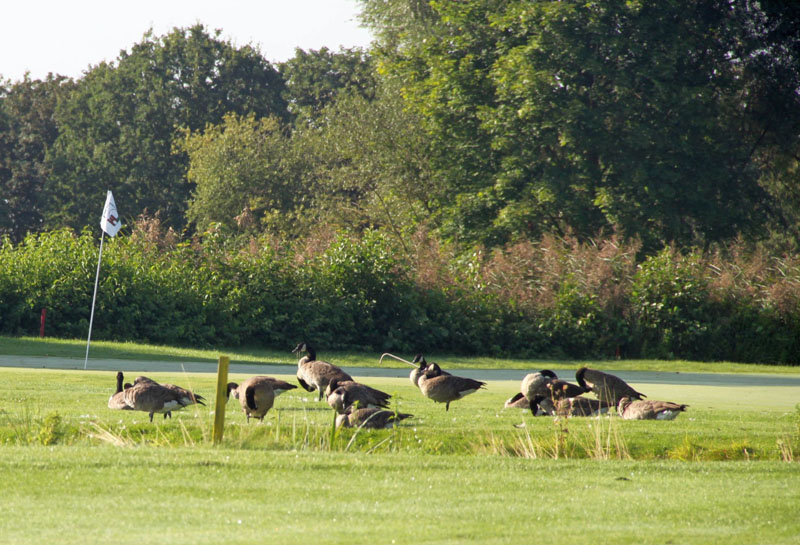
(67, 37)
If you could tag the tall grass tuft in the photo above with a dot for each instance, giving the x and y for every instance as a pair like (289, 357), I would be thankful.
(600, 440)
(604, 440)
(29, 428)
(105, 434)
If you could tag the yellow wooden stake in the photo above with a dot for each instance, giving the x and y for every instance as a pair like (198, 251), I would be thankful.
(222, 398)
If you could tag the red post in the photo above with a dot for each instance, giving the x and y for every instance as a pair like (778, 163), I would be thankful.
(41, 326)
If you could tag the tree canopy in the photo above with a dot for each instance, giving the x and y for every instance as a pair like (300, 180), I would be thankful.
(591, 117)
(484, 121)
(118, 126)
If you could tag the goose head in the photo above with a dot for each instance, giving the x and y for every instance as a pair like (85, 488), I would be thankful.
(333, 386)
(305, 347)
(432, 370)
(232, 387)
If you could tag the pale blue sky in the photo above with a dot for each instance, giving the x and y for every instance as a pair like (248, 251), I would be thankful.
(66, 37)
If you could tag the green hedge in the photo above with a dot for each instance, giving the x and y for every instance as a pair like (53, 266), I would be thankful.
(550, 299)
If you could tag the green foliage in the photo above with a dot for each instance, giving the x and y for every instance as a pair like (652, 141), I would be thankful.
(243, 173)
(27, 131)
(314, 79)
(558, 298)
(118, 126)
(670, 297)
(369, 164)
(583, 117)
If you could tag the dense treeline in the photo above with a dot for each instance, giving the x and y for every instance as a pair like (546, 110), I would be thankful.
(554, 298)
(486, 121)
(670, 128)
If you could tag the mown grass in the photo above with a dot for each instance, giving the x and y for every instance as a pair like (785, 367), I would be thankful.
(722, 423)
(76, 348)
(73, 471)
(202, 495)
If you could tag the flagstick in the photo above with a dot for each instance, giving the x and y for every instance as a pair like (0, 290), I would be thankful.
(94, 297)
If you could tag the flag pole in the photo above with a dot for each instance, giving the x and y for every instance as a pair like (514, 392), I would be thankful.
(94, 297)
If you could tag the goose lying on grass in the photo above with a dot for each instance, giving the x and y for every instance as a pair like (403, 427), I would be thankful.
(649, 410)
(370, 418)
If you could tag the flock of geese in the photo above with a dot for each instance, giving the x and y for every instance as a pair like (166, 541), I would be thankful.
(359, 405)
(545, 394)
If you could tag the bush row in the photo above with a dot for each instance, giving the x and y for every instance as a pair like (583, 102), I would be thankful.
(554, 298)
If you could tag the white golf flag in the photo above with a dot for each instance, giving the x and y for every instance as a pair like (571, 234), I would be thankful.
(109, 222)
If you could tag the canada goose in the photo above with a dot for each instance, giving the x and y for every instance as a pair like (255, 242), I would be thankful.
(342, 394)
(370, 418)
(313, 374)
(152, 397)
(257, 394)
(442, 388)
(535, 384)
(561, 389)
(606, 387)
(648, 410)
(418, 371)
(117, 399)
(580, 406)
(187, 396)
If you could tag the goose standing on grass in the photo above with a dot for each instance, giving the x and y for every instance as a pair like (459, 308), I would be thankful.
(187, 396)
(606, 387)
(152, 398)
(314, 374)
(370, 418)
(117, 400)
(441, 388)
(343, 394)
(649, 410)
(257, 394)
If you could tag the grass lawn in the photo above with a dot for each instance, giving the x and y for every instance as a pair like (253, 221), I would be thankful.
(204, 495)
(73, 471)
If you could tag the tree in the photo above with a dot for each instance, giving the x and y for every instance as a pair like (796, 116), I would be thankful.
(768, 55)
(118, 127)
(315, 78)
(27, 131)
(584, 116)
(371, 163)
(244, 175)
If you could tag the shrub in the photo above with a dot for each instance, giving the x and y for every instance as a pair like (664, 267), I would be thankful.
(671, 302)
(557, 297)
